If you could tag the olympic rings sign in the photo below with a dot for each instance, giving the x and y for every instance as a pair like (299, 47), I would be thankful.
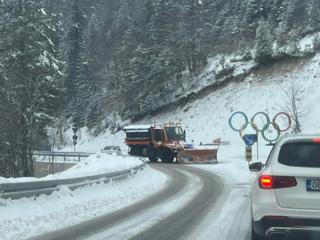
(269, 123)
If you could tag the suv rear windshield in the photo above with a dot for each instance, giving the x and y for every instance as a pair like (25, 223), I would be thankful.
(300, 154)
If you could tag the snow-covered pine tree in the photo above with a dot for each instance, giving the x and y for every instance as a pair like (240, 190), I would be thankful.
(263, 50)
(313, 17)
(252, 12)
(30, 69)
(293, 41)
(295, 13)
(76, 73)
(188, 35)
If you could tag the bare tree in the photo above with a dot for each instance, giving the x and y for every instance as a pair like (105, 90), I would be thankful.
(293, 94)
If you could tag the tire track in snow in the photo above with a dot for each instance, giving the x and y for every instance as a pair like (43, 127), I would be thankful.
(84, 230)
(169, 214)
(184, 221)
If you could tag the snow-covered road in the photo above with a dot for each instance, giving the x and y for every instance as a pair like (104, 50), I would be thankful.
(230, 217)
(196, 203)
(173, 213)
(212, 201)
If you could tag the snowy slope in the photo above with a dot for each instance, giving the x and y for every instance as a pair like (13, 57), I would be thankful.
(264, 90)
(207, 118)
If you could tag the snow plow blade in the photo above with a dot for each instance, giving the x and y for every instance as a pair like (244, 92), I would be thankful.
(198, 155)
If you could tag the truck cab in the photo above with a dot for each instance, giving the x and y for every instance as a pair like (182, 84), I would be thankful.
(155, 141)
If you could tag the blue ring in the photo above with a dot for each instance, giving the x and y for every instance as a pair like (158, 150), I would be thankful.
(244, 126)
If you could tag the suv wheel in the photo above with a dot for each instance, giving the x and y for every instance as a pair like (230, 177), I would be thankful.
(254, 235)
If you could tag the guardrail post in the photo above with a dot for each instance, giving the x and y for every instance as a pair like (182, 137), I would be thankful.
(52, 164)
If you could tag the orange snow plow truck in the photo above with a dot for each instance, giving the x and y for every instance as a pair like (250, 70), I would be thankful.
(166, 142)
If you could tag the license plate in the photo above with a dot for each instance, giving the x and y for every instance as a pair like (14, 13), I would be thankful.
(313, 185)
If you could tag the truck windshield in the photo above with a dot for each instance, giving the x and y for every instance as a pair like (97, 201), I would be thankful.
(174, 133)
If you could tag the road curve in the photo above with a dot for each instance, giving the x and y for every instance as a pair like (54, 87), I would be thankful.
(183, 222)
(176, 226)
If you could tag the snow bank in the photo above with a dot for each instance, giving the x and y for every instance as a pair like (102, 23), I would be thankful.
(21, 219)
(99, 163)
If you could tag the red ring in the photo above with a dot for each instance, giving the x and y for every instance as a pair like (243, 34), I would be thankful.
(289, 121)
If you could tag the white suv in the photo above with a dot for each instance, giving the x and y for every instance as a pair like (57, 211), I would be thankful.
(285, 198)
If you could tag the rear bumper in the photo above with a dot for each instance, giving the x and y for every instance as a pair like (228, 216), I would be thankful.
(264, 203)
(287, 227)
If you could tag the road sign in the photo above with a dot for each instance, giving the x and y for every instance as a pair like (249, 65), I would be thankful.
(75, 138)
(250, 139)
(75, 129)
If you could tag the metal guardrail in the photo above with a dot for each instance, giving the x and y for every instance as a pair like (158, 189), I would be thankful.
(36, 188)
(78, 155)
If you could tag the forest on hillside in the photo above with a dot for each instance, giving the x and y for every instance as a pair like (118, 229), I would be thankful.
(91, 62)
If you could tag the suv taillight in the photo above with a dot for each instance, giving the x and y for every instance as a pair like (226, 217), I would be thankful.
(316, 140)
(272, 182)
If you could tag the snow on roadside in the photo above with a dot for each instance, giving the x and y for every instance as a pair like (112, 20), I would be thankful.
(99, 163)
(95, 164)
(21, 219)
(151, 216)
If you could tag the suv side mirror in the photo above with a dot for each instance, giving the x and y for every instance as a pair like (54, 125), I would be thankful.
(256, 167)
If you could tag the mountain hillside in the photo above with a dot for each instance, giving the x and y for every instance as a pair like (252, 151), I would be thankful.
(263, 90)
(98, 64)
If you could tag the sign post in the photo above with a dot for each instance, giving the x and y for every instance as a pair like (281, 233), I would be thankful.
(248, 153)
(75, 138)
(257, 147)
(249, 140)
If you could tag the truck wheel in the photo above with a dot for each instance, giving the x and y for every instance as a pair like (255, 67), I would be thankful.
(166, 156)
(135, 151)
(152, 154)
